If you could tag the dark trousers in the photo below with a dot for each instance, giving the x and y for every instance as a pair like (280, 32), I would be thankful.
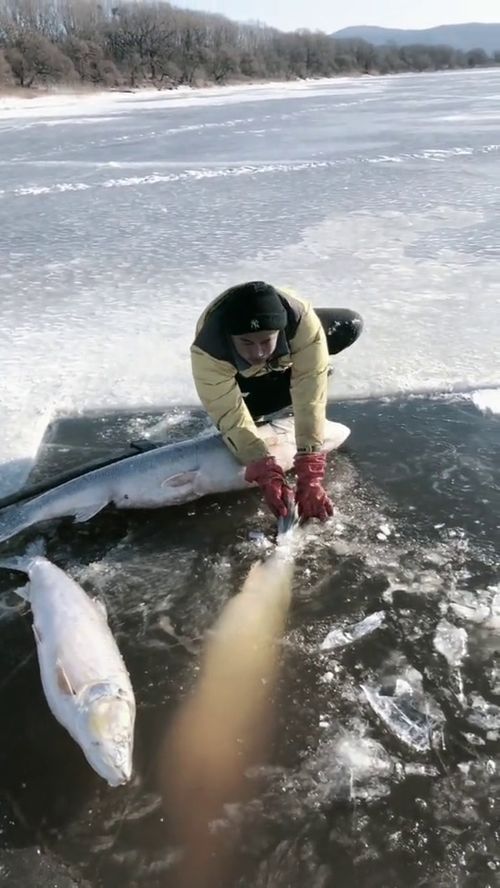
(271, 392)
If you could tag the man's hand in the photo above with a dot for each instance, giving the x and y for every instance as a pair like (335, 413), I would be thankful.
(312, 499)
(271, 479)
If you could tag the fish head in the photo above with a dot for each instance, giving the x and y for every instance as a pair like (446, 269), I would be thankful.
(334, 435)
(108, 715)
(279, 435)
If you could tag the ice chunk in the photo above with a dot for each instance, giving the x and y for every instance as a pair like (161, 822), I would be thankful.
(451, 642)
(487, 400)
(327, 678)
(386, 529)
(481, 607)
(483, 715)
(494, 679)
(348, 766)
(363, 757)
(405, 712)
(260, 539)
(339, 638)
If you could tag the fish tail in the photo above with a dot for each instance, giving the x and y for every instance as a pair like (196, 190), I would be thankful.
(23, 563)
(291, 521)
(14, 519)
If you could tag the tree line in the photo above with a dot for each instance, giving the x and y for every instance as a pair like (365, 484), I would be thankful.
(109, 43)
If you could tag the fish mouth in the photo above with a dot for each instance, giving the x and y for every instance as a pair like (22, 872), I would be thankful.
(114, 766)
(120, 777)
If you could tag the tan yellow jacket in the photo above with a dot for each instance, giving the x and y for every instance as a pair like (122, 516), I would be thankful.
(303, 347)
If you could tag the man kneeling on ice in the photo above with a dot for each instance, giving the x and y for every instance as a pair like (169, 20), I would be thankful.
(258, 350)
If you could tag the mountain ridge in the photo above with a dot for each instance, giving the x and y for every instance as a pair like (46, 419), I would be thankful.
(466, 36)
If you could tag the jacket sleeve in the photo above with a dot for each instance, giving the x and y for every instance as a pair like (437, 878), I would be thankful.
(309, 382)
(221, 397)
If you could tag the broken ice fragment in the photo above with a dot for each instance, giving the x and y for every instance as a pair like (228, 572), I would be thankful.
(339, 638)
(451, 642)
(404, 712)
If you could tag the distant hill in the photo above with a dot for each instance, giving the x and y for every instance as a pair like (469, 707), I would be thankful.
(468, 36)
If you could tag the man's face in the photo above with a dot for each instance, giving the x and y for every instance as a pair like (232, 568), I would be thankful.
(256, 348)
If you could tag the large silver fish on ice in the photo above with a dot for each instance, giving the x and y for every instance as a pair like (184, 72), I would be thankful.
(84, 678)
(166, 476)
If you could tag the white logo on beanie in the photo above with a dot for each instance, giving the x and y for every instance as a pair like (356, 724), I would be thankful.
(254, 325)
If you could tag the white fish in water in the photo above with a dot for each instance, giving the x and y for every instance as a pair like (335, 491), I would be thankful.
(85, 681)
(166, 476)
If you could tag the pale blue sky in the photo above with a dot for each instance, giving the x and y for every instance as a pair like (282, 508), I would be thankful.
(330, 15)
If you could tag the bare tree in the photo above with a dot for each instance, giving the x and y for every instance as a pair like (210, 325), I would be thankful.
(477, 58)
(90, 62)
(82, 19)
(388, 60)
(221, 54)
(33, 58)
(6, 76)
(191, 46)
(30, 17)
(145, 32)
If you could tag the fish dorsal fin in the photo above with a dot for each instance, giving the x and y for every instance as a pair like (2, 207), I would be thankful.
(63, 682)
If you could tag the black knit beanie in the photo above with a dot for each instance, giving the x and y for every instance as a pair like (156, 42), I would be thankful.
(252, 307)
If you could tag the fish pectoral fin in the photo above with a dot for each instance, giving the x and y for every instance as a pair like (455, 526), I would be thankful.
(63, 682)
(87, 512)
(182, 479)
(24, 592)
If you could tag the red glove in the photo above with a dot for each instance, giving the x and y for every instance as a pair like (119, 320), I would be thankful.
(271, 479)
(312, 499)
